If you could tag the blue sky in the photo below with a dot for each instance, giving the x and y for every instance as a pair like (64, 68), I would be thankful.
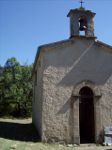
(26, 24)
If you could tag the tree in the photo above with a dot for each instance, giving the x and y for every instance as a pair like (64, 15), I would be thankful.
(16, 88)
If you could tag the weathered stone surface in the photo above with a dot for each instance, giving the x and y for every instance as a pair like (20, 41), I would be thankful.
(75, 16)
(63, 71)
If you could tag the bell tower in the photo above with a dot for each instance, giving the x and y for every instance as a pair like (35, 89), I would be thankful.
(81, 22)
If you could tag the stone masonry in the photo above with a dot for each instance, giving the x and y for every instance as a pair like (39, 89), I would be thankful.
(61, 70)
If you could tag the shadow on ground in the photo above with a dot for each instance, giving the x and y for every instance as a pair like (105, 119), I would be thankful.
(17, 131)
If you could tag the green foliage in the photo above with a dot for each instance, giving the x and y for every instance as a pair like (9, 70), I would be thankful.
(15, 89)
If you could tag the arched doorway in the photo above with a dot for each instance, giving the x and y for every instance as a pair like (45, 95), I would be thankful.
(86, 115)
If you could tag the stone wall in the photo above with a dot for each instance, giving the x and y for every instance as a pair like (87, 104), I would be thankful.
(56, 107)
(37, 98)
(106, 103)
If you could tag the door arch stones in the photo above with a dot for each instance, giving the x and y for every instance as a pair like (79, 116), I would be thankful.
(97, 110)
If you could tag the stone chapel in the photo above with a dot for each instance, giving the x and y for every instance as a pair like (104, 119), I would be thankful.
(72, 85)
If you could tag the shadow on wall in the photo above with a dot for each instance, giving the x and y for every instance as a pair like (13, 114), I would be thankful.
(19, 132)
(84, 60)
(95, 66)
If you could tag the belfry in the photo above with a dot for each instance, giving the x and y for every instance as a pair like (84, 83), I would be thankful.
(81, 20)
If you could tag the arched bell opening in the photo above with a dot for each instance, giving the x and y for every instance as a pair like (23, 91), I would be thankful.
(86, 115)
(82, 25)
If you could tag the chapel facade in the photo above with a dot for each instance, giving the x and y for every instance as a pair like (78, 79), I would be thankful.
(72, 85)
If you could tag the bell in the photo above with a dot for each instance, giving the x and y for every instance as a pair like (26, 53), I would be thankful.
(82, 24)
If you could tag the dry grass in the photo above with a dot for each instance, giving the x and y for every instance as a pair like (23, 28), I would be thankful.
(21, 135)
(19, 145)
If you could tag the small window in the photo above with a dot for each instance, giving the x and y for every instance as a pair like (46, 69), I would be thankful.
(35, 78)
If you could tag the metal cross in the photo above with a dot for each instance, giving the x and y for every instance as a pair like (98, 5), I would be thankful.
(81, 1)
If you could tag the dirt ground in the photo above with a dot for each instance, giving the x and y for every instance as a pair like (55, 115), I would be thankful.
(21, 135)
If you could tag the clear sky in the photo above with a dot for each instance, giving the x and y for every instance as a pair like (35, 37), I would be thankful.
(26, 24)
